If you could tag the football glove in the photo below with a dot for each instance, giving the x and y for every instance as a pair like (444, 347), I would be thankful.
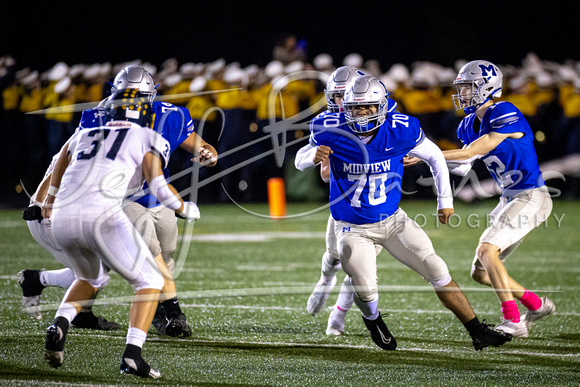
(32, 212)
(190, 212)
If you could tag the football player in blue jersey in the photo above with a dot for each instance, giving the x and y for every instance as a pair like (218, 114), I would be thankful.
(156, 223)
(498, 133)
(367, 146)
(307, 157)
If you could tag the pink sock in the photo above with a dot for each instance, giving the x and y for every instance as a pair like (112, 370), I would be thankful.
(531, 300)
(510, 311)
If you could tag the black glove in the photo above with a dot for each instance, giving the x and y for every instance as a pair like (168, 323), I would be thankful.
(33, 212)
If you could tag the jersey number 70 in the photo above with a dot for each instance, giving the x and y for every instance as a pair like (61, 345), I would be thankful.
(377, 192)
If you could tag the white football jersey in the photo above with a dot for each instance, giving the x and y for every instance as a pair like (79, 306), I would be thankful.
(105, 164)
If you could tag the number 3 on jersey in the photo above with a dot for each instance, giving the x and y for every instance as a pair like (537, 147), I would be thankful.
(101, 135)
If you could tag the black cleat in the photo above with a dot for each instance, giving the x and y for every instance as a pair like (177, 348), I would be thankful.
(488, 336)
(133, 364)
(160, 320)
(54, 344)
(29, 281)
(380, 333)
(89, 321)
(178, 327)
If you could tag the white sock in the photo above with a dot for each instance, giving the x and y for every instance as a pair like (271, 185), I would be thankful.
(346, 295)
(67, 311)
(136, 336)
(63, 277)
(370, 309)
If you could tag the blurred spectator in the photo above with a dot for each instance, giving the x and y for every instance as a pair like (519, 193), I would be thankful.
(33, 126)
(423, 101)
(288, 49)
(324, 62)
(547, 93)
(353, 59)
(59, 97)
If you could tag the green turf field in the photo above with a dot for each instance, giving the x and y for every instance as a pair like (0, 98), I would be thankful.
(244, 287)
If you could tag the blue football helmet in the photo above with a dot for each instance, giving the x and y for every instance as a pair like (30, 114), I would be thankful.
(478, 81)
(366, 91)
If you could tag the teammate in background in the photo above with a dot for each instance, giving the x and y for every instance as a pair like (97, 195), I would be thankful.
(89, 182)
(156, 223)
(500, 135)
(308, 157)
(367, 146)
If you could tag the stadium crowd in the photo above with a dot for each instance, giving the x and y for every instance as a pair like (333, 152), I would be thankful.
(547, 93)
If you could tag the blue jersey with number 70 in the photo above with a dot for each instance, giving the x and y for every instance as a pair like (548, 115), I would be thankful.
(365, 178)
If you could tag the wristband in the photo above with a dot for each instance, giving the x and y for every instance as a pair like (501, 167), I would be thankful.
(52, 190)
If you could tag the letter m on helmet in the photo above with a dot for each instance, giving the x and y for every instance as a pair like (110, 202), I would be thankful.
(485, 69)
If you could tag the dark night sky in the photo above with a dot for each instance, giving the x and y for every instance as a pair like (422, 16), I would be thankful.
(202, 31)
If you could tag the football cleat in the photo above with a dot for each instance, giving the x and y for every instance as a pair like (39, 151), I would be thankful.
(178, 327)
(160, 320)
(138, 366)
(29, 281)
(54, 343)
(546, 309)
(90, 321)
(335, 325)
(518, 329)
(319, 295)
(488, 336)
(380, 333)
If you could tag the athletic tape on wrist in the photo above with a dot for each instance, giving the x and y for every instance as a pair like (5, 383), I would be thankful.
(52, 190)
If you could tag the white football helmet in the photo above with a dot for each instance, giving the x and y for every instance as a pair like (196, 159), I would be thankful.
(336, 84)
(135, 77)
(477, 82)
(366, 90)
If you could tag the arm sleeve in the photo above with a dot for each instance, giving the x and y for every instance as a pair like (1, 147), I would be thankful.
(461, 167)
(430, 153)
(160, 189)
(305, 157)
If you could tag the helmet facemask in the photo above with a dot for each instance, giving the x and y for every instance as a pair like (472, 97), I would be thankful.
(337, 85)
(477, 82)
(331, 104)
(365, 104)
(370, 115)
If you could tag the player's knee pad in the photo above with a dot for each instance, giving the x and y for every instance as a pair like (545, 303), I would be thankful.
(96, 283)
(330, 265)
(149, 280)
(485, 251)
(366, 292)
(105, 280)
(444, 281)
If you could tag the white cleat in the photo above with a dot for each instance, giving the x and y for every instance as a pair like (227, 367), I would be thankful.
(30, 306)
(335, 325)
(546, 309)
(518, 329)
(320, 295)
